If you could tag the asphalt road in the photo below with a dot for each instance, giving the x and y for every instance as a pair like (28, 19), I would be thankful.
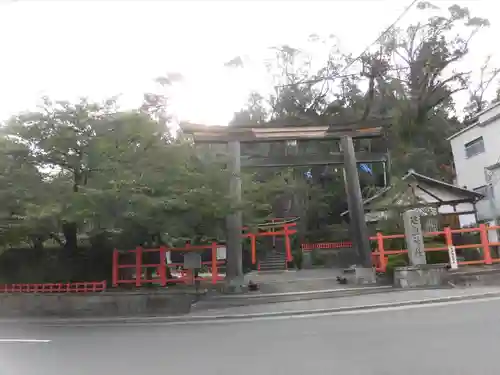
(443, 339)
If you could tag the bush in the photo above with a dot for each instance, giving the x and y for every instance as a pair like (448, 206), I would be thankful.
(437, 257)
(297, 259)
(317, 259)
(394, 261)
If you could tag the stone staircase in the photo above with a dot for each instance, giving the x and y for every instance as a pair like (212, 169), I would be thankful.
(274, 261)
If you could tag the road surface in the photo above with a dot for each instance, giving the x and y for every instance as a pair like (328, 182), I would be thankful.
(460, 338)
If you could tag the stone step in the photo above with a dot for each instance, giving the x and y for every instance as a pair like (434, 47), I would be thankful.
(273, 266)
(273, 261)
(275, 256)
(280, 259)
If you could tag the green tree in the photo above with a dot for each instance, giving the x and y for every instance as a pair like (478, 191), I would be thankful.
(107, 175)
(20, 183)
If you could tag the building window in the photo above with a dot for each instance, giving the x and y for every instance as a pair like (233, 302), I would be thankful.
(474, 147)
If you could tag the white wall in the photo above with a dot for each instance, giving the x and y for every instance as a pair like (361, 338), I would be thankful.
(470, 171)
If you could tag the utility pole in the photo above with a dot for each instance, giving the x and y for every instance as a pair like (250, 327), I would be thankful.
(234, 222)
(359, 230)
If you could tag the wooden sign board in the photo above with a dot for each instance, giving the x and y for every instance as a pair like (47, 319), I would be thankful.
(192, 260)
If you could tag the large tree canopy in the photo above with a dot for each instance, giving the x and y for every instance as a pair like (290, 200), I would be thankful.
(408, 78)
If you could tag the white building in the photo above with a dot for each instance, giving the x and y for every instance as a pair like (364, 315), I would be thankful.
(476, 153)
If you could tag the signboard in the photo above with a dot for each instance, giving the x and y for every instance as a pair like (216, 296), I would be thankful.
(221, 253)
(453, 257)
(192, 260)
(414, 238)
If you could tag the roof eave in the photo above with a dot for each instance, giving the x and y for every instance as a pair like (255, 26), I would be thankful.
(411, 173)
(462, 131)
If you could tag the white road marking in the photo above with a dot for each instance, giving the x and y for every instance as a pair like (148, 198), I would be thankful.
(28, 341)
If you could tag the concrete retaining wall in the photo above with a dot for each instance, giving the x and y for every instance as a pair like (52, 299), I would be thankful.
(420, 276)
(95, 305)
(469, 276)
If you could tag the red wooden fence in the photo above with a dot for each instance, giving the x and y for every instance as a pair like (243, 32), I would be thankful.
(82, 287)
(161, 266)
(326, 245)
(380, 255)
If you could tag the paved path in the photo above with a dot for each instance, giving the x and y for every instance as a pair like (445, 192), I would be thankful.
(293, 281)
(451, 339)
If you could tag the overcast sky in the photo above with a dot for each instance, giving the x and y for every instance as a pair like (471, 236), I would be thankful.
(70, 48)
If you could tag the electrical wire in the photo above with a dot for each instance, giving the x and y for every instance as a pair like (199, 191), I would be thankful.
(339, 75)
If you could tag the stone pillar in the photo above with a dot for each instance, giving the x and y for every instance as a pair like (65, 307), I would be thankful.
(364, 271)
(414, 237)
(307, 259)
(234, 223)
(359, 230)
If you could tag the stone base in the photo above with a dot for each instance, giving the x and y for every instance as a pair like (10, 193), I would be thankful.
(307, 260)
(474, 276)
(420, 276)
(235, 286)
(362, 276)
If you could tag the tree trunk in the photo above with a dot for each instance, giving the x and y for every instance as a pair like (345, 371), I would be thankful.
(70, 235)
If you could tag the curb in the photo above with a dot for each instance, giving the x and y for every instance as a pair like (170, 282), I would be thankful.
(238, 317)
(301, 293)
(336, 309)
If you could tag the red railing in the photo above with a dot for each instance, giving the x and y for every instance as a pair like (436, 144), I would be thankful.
(380, 255)
(185, 276)
(82, 287)
(326, 245)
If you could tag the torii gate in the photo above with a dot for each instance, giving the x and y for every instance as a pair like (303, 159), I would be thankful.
(234, 136)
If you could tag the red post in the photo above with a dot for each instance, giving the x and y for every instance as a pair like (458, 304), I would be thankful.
(485, 243)
(288, 249)
(114, 273)
(162, 269)
(189, 276)
(381, 252)
(138, 266)
(253, 249)
(273, 230)
(215, 271)
(448, 237)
